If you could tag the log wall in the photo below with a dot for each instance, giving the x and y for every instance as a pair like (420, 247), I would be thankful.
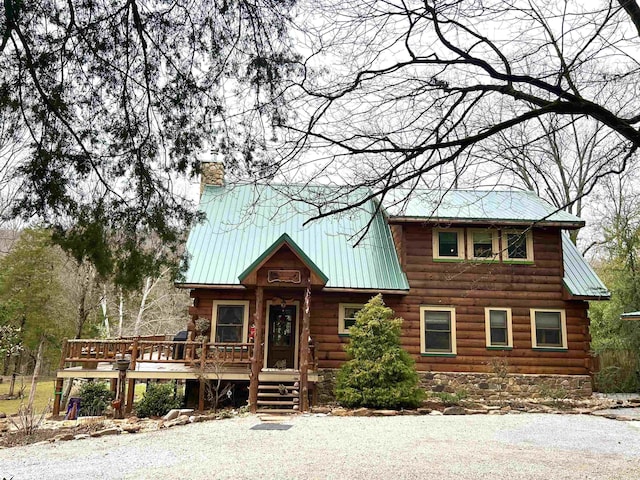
(467, 286)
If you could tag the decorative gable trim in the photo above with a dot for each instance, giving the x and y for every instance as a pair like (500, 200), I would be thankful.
(284, 239)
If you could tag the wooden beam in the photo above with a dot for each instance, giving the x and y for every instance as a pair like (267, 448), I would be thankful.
(256, 360)
(131, 388)
(201, 394)
(304, 351)
(57, 395)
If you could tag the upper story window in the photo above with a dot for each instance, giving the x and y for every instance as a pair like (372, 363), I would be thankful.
(438, 330)
(548, 328)
(483, 244)
(347, 316)
(230, 321)
(498, 327)
(517, 245)
(448, 243)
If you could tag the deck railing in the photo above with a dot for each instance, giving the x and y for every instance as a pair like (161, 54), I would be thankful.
(156, 351)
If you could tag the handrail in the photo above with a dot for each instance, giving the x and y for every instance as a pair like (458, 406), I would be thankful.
(155, 351)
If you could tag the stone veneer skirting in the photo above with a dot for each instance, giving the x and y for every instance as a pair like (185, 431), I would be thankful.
(486, 386)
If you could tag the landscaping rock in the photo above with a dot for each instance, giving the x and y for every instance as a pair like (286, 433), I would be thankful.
(177, 421)
(435, 413)
(321, 410)
(106, 431)
(385, 413)
(175, 413)
(3, 415)
(131, 428)
(4, 426)
(475, 411)
(65, 437)
(455, 410)
(339, 412)
(81, 436)
(424, 411)
(361, 412)
(186, 412)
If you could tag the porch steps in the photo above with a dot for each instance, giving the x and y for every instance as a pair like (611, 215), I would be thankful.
(278, 397)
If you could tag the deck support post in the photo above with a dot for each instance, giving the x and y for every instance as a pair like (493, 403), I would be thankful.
(304, 351)
(201, 394)
(131, 387)
(256, 359)
(57, 396)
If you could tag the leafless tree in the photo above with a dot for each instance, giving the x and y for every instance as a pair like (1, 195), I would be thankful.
(415, 86)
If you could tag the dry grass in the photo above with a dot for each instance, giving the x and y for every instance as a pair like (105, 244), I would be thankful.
(44, 393)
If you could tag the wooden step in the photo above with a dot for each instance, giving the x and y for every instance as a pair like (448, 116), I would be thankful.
(276, 402)
(277, 394)
(262, 386)
(290, 411)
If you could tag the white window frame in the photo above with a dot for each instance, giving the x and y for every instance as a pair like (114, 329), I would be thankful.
(342, 330)
(436, 243)
(214, 318)
(431, 308)
(495, 244)
(563, 328)
(529, 244)
(487, 326)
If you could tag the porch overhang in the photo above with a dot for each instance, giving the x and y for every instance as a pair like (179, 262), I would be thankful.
(249, 275)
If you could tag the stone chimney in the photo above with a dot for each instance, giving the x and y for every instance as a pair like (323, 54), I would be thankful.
(212, 170)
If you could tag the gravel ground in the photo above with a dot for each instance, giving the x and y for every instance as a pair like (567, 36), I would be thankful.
(526, 446)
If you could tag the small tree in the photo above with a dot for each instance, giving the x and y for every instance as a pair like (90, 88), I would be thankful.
(380, 373)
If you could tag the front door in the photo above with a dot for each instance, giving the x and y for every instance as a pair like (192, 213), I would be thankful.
(281, 344)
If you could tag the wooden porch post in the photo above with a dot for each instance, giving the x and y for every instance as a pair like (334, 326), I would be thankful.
(304, 351)
(57, 394)
(131, 387)
(256, 360)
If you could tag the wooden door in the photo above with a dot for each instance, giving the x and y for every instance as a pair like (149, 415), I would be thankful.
(281, 345)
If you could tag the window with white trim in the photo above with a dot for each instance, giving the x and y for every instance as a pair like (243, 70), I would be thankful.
(347, 316)
(448, 243)
(517, 245)
(483, 244)
(498, 327)
(548, 328)
(438, 330)
(230, 321)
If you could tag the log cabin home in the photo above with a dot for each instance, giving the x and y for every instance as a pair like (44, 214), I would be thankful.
(480, 278)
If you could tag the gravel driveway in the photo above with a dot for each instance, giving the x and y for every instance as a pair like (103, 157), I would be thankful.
(526, 446)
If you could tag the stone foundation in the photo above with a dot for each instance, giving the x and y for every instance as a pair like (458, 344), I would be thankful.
(486, 386)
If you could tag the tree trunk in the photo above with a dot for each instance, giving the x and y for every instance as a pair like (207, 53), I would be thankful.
(143, 302)
(120, 314)
(36, 373)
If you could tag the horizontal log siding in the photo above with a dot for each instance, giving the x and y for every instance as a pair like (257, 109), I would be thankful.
(469, 287)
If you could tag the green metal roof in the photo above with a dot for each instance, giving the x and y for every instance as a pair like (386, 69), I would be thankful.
(579, 277)
(469, 205)
(243, 222)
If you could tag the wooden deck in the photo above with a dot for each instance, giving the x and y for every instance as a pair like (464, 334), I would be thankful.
(163, 359)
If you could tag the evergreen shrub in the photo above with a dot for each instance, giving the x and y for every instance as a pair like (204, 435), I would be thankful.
(158, 399)
(95, 397)
(380, 373)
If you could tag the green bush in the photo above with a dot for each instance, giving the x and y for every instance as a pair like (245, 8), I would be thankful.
(95, 397)
(380, 373)
(158, 399)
